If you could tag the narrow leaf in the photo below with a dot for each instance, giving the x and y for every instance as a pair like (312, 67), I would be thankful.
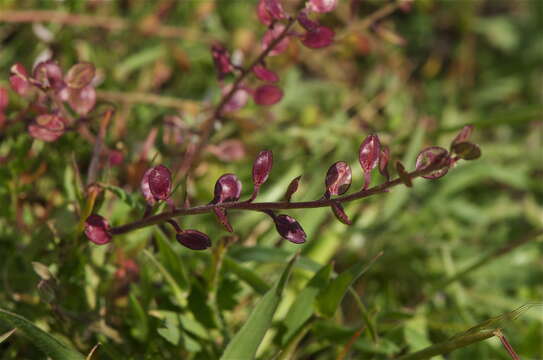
(246, 341)
(330, 298)
(46, 342)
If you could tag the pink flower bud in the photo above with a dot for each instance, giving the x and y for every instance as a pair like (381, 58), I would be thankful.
(227, 188)
(275, 9)
(271, 35)
(384, 157)
(463, 135)
(292, 188)
(340, 214)
(318, 38)
(338, 179)
(433, 156)
(80, 75)
(194, 239)
(267, 95)
(221, 58)
(156, 184)
(289, 229)
(47, 127)
(321, 6)
(265, 74)
(97, 229)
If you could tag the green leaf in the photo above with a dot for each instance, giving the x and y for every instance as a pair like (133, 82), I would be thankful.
(179, 294)
(246, 341)
(139, 324)
(132, 200)
(329, 299)
(47, 343)
(245, 274)
(304, 305)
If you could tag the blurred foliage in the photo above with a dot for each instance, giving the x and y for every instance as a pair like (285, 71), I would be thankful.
(415, 78)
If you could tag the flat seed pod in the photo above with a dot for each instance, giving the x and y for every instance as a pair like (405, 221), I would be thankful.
(292, 188)
(227, 188)
(80, 75)
(262, 167)
(433, 155)
(384, 157)
(467, 150)
(463, 135)
(338, 178)
(267, 95)
(194, 239)
(340, 214)
(47, 127)
(289, 229)
(97, 229)
(368, 156)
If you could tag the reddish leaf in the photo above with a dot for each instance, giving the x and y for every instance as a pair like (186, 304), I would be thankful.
(318, 38)
(265, 74)
(262, 167)
(80, 75)
(221, 58)
(267, 95)
(227, 188)
(271, 35)
(384, 157)
(194, 239)
(223, 219)
(292, 188)
(466, 150)
(340, 214)
(289, 229)
(338, 179)
(403, 175)
(433, 156)
(368, 156)
(321, 6)
(97, 229)
(47, 127)
(463, 135)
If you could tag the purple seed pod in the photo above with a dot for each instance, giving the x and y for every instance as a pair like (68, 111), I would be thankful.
(318, 38)
(265, 74)
(338, 179)
(368, 156)
(262, 167)
(156, 184)
(289, 229)
(463, 135)
(223, 218)
(271, 35)
(80, 75)
(267, 95)
(340, 214)
(81, 100)
(466, 150)
(384, 157)
(47, 127)
(321, 6)
(49, 75)
(227, 188)
(403, 175)
(97, 229)
(433, 155)
(292, 188)
(221, 58)
(193, 239)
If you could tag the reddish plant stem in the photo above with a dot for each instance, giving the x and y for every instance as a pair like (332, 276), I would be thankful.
(280, 205)
(506, 345)
(207, 126)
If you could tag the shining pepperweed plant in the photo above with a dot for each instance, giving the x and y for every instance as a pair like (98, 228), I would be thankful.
(159, 222)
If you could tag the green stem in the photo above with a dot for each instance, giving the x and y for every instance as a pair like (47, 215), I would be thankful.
(364, 314)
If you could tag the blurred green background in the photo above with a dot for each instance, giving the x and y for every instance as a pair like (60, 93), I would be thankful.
(415, 78)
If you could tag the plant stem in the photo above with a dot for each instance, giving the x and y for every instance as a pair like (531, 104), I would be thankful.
(449, 345)
(244, 205)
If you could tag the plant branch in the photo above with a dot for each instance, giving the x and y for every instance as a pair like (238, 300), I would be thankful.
(207, 126)
(244, 205)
